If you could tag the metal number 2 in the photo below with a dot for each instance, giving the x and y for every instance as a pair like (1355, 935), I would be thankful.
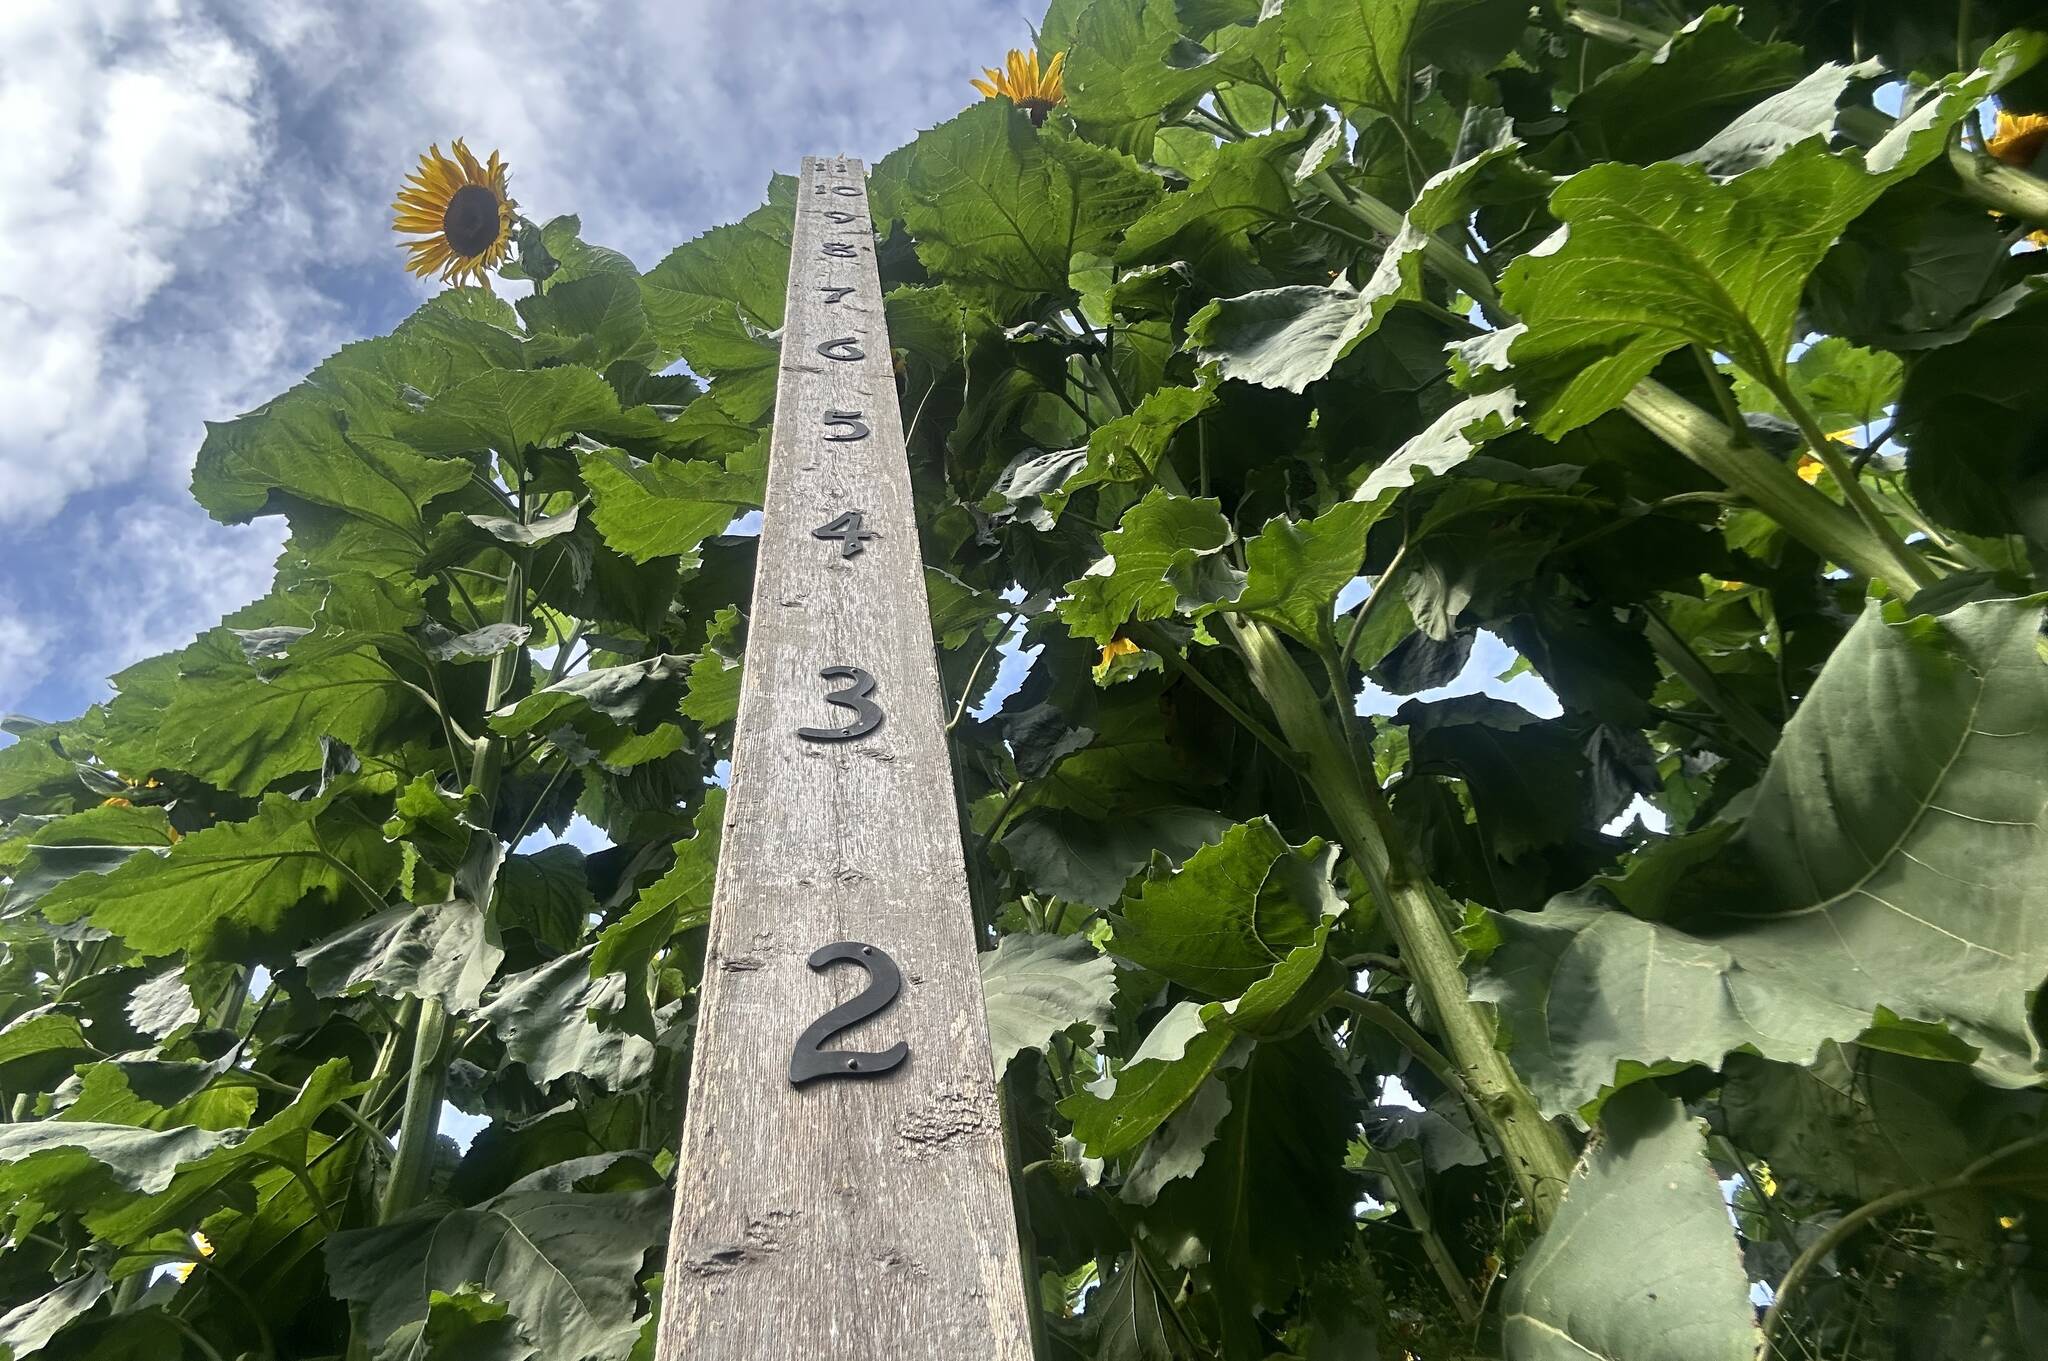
(856, 427)
(867, 715)
(809, 1061)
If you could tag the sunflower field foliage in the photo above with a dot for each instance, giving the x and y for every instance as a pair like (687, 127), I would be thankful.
(1298, 350)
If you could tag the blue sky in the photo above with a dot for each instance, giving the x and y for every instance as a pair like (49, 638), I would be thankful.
(194, 210)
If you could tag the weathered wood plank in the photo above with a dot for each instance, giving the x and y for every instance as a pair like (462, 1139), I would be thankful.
(847, 1219)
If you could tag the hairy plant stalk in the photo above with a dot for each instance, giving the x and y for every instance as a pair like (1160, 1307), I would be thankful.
(1419, 916)
(426, 1082)
(2006, 188)
(1752, 727)
(1773, 488)
(419, 1121)
(1607, 28)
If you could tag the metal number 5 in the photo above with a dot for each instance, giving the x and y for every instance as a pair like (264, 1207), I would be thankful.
(867, 715)
(845, 349)
(856, 427)
(810, 1060)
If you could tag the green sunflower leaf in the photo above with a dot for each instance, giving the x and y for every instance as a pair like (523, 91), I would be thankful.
(244, 886)
(665, 507)
(1163, 557)
(999, 208)
(1597, 1285)
(1037, 986)
(1290, 337)
(1234, 910)
(565, 1264)
(1880, 866)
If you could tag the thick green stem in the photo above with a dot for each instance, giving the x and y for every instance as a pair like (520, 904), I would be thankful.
(1419, 916)
(1416, 1207)
(1852, 487)
(1462, 272)
(425, 1086)
(1771, 486)
(1752, 727)
(2006, 188)
(1607, 28)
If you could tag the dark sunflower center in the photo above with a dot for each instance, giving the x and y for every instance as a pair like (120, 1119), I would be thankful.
(471, 222)
(1036, 110)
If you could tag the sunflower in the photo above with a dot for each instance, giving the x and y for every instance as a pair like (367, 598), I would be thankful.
(462, 209)
(1025, 86)
(2020, 138)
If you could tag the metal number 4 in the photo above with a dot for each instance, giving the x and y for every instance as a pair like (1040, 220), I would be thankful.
(867, 715)
(847, 529)
(810, 1060)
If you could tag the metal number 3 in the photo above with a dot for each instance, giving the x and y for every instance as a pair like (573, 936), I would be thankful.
(840, 250)
(810, 1060)
(867, 715)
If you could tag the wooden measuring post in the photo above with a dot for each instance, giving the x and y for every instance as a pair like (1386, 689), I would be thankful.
(842, 1193)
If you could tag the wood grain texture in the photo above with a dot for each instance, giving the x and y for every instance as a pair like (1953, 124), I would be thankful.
(864, 1220)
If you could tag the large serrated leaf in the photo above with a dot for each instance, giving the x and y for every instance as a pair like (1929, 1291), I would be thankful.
(1641, 1262)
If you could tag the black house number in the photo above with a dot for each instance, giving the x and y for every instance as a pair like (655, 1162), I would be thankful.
(845, 349)
(867, 715)
(855, 427)
(839, 250)
(810, 1060)
(847, 529)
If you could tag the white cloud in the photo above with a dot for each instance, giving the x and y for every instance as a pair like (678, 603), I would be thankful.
(194, 209)
(131, 125)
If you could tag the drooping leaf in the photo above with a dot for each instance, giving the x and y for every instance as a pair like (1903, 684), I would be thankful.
(666, 507)
(1294, 569)
(1233, 911)
(1088, 860)
(999, 208)
(564, 1264)
(1658, 256)
(436, 950)
(1178, 1054)
(1641, 1263)
(1290, 337)
(559, 1019)
(247, 886)
(1037, 986)
(28, 1327)
(1162, 557)
(1880, 864)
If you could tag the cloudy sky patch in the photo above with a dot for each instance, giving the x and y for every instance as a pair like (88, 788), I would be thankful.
(194, 210)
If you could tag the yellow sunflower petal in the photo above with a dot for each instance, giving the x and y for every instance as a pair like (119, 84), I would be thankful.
(2019, 138)
(421, 209)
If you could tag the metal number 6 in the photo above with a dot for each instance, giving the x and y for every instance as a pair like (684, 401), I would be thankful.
(867, 715)
(810, 1061)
